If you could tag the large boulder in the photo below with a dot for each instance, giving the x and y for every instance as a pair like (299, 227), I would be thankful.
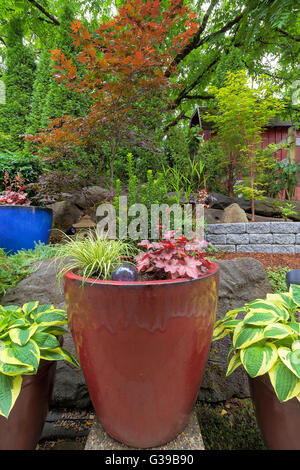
(241, 280)
(234, 214)
(65, 214)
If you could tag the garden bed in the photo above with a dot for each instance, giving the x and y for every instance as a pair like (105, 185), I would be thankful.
(269, 260)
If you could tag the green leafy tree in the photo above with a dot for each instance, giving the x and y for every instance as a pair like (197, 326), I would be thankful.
(41, 86)
(18, 77)
(242, 113)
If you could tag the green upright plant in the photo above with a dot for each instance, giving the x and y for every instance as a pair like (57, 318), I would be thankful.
(243, 112)
(266, 340)
(288, 210)
(18, 78)
(27, 335)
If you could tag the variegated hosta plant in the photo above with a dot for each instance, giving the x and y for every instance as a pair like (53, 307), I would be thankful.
(267, 340)
(27, 335)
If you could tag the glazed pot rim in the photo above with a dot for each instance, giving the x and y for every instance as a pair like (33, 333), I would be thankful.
(18, 206)
(211, 272)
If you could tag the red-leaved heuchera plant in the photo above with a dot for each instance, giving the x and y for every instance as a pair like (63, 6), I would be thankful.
(173, 257)
(14, 191)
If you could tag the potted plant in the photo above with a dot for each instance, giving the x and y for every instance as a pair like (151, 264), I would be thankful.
(266, 342)
(30, 345)
(142, 331)
(21, 225)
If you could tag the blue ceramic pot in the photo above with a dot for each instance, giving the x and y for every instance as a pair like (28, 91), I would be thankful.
(23, 226)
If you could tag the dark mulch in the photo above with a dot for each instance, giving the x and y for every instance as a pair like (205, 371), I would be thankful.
(267, 259)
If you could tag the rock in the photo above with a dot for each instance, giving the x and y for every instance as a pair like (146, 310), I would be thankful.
(65, 214)
(89, 196)
(213, 216)
(241, 280)
(268, 207)
(234, 214)
(221, 201)
(70, 388)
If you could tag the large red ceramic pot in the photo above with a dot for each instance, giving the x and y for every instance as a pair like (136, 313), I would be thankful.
(143, 347)
(279, 422)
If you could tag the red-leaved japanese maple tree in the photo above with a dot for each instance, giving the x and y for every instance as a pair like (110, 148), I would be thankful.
(124, 75)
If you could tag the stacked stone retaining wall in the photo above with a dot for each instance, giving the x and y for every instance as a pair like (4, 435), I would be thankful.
(259, 237)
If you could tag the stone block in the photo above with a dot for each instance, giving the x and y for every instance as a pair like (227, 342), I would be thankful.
(189, 439)
(284, 227)
(216, 239)
(258, 227)
(284, 249)
(298, 239)
(254, 248)
(284, 238)
(297, 249)
(226, 228)
(237, 239)
(259, 238)
(230, 248)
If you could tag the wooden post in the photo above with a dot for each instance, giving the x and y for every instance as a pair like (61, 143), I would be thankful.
(292, 144)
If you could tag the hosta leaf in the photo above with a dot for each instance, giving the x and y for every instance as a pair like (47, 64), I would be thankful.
(234, 362)
(53, 330)
(289, 303)
(219, 332)
(51, 318)
(3, 324)
(235, 312)
(12, 308)
(291, 359)
(15, 369)
(7, 356)
(45, 340)
(284, 381)
(19, 322)
(295, 292)
(282, 299)
(10, 388)
(258, 359)
(30, 307)
(277, 331)
(21, 336)
(43, 308)
(296, 345)
(295, 327)
(29, 354)
(260, 318)
(232, 323)
(244, 335)
(262, 306)
(58, 354)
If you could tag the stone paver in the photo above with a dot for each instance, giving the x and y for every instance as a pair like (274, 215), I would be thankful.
(189, 439)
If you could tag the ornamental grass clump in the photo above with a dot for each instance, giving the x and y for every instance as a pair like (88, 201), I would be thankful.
(92, 256)
(267, 340)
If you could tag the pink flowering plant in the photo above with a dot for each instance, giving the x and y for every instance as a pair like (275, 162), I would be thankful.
(14, 191)
(172, 257)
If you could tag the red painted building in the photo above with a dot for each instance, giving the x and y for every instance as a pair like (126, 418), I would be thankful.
(277, 131)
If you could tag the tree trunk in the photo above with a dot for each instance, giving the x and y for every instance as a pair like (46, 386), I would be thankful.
(230, 178)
